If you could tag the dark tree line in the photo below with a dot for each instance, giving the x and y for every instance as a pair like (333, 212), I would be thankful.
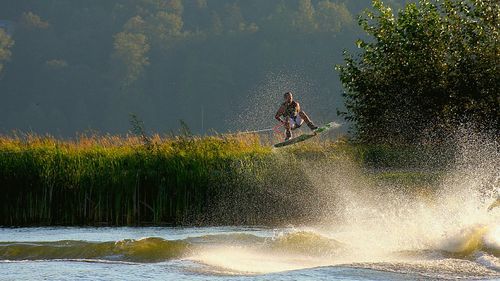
(425, 71)
(69, 66)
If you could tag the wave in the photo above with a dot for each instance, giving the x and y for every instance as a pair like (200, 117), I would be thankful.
(491, 241)
(305, 242)
(284, 251)
(249, 253)
(154, 249)
(142, 250)
(229, 238)
(471, 240)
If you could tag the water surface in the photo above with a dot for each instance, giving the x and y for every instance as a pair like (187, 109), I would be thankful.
(226, 253)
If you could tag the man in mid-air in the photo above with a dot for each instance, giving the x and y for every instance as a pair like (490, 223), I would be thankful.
(293, 116)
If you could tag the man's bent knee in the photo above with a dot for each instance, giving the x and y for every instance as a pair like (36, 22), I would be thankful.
(304, 116)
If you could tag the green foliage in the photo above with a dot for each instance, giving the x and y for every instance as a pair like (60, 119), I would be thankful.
(326, 16)
(186, 180)
(34, 21)
(426, 70)
(6, 44)
(185, 131)
(138, 129)
(305, 20)
(401, 157)
(131, 49)
(332, 17)
(113, 181)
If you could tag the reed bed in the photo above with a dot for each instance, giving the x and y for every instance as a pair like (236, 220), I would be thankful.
(113, 180)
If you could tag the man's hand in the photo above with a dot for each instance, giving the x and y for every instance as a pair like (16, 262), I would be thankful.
(280, 112)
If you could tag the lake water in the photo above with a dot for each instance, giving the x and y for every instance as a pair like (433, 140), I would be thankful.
(239, 253)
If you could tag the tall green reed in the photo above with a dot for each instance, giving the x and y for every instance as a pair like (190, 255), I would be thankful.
(112, 180)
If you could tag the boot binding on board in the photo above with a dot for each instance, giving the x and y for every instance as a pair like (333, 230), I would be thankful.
(312, 126)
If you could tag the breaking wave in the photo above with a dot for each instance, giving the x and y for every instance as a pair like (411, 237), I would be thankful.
(471, 253)
(142, 250)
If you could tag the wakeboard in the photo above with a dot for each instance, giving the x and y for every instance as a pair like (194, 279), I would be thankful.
(304, 137)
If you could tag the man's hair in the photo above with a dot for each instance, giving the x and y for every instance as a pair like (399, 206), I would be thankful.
(287, 93)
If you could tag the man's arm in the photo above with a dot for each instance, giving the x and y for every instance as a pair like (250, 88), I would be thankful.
(298, 107)
(280, 112)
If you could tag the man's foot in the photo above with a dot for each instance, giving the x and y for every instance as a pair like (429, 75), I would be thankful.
(288, 135)
(312, 126)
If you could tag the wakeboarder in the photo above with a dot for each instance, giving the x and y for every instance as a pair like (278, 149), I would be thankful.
(293, 116)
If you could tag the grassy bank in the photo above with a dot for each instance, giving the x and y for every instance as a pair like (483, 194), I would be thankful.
(212, 180)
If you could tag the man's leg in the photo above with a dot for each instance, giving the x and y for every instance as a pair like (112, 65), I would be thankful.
(288, 132)
(296, 122)
(308, 121)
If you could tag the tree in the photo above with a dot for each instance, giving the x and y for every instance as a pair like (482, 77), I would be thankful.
(163, 26)
(234, 20)
(131, 49)
(201, 4)
(135, 24)
(5, 44)
(473, 37)
(429, 69)
(305, 20)
(281, 20)
(175, 7)
(332, 17)
(217, 27)
(34, 21)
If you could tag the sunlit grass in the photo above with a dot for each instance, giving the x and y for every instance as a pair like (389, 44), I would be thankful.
(119, 180)
(112, 179)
